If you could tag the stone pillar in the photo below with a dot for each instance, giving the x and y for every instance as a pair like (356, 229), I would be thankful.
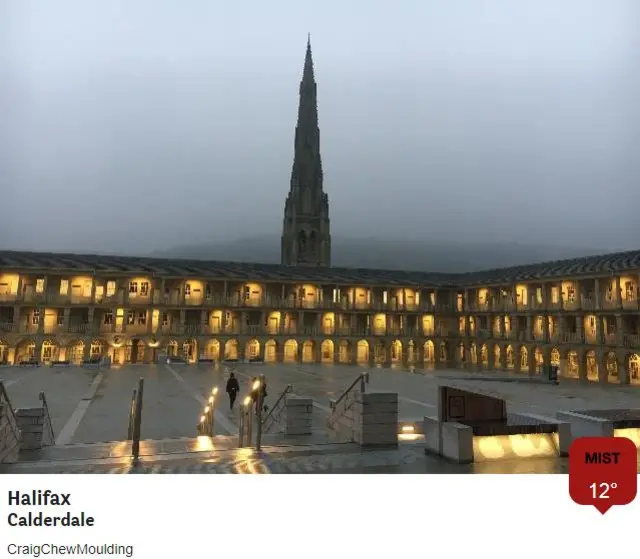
(376, 419)
(619, 329)
(596, 295)
(31, 424)
(580, 328)
(298, 416)
(529, 332)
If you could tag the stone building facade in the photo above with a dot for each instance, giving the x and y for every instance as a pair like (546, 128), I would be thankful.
(582, 314)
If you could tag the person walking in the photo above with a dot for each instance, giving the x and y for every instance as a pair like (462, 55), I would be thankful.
(233, 387)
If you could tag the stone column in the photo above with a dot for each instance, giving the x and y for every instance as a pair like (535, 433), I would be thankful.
(619, 329)
(580, 328)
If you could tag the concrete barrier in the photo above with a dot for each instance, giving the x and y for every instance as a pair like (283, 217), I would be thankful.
(376, 419)
(31, 424)
(585, 425)
(457, 442)
(298, 416)
(9, 436)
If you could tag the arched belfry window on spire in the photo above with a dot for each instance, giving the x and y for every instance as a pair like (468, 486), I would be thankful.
(302, 242)
(312, 242)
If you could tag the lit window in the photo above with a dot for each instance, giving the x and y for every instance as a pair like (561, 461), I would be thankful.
(144, 289)
(108, 318)
(133, 287)
(187, 289)
(64, 287)
(60, 319)
(142, 318)
(111, 288)
(40, 285)
(35, 317)
(131, 317)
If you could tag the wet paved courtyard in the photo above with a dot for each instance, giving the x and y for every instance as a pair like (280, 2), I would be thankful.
(91, 406)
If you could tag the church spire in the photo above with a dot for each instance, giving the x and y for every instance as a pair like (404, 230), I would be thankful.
(305, 235)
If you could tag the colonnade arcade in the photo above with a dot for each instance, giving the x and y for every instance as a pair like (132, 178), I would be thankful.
(597, 366)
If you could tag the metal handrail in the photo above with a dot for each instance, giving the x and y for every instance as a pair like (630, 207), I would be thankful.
(132, 414)
(4, 398)
(363, 380)
(274, 413)
(47, 415)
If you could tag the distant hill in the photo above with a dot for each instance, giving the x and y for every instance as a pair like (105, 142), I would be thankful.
(387, 254)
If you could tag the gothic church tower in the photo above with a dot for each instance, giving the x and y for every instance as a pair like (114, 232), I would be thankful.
(306, 240)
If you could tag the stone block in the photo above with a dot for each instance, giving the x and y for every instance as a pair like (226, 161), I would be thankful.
(377, 397)
(431, 430)
(457, 442)
(380, 418)
(585, 426)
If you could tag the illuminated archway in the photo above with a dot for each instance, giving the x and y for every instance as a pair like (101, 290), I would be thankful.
(291, 351)
(611, 365)
(473, 353)
(190, 350)
(231, 350)
(362, 351)
(538, 357)
(429, 352)
(212, 350)
(411, 352)
(99, 348)
(509, 357)
(4, 352)
(327, 351)
(172, 348)
(484, 355)
(555, 357)
(25, 351)
(75, 352)
(344, 352)
(497, 355)
(380, 352)
(633, 368)
(396, 351)
(252, 349)
(591, 362)
(444, 352)
(462, 354)
(524, 359)
(573, 366)
(308, 352)
(49, 351)
(271, 351)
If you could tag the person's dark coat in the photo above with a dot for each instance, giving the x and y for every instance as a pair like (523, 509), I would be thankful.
(233, 387)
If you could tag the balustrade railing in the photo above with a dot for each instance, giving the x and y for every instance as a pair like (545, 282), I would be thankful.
(347, 399)
(274, 416)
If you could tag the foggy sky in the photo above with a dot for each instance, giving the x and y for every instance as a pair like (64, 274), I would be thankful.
(137, 125)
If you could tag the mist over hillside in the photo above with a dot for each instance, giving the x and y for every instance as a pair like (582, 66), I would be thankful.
(432, 256)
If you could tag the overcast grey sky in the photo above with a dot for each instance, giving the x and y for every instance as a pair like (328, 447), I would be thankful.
(140, 124)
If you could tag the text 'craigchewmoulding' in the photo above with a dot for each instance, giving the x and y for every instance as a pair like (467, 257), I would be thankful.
(44, 499)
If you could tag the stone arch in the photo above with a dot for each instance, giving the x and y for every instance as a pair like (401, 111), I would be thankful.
(172, 348)
(302, 242)
(99, 348)
(308, 347)
(49, 351)
(327, 351)
(633, 368)
(444, 352)
(290, 351)
(524, 359)
(429, 352)
(344, 352)
(4, 352)
(231, 349)
(611, 366)
(271, 351)
(75, 351)
(462, 353)
(509, 358)
(362, 351)
(252, 349)
(555, 357)
(134, 351)
(212, 349)
(591, 365)
(396, 351)
(473, 353)
(538, 358)
(573, 365)
(484, 355)
(312, 240)
(190, 350)
(497, 357)
(25, 350)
